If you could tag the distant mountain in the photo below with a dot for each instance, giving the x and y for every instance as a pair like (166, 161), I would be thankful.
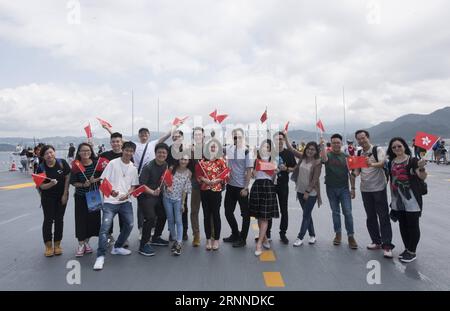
(7, 147)
(437, 123)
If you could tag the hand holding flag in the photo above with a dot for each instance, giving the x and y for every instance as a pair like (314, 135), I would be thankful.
(39, 179)
(267, 167)
(167, 178)
(138, 191)
(354, 162)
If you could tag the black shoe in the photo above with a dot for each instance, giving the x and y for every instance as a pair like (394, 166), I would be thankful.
(400, 256)
(231, 239)
(284, 239)
(185, 237)
(408, 257)
(239, 243)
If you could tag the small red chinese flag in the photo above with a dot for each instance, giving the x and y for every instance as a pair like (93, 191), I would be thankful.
(106, 188)
(104, 123)
(88, 131)
(354, 162)
(221, 117)
(78, 167)
(214, 115)
(39, 178)
(425, 141)
(178, 121)
(320, 126)
(286, 127)
(264, 116)
(138, 191)
(167, 178)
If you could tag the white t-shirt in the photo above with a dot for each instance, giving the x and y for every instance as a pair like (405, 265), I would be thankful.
(149, 154)
(122, 177)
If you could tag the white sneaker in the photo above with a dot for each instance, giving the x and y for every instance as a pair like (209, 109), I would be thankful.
(388, 253)
(80, 250)
(312, 240)
(120, 251)
(99, 263)
(266, 245)
(258, 252)
(298, 243)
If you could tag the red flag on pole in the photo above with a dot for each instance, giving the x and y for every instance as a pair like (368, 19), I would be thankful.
(264, 116)
(320, 126)
(267, 167)
(221, 117)
(138, 191)
(214, 115)
(78, 167)
(39, 178)
(101, 164)
(167, 178)
(178, 121)
(354, 162)
(425, 141)
(106, 188)
(286, 127)
(88, 131)
(104, 123)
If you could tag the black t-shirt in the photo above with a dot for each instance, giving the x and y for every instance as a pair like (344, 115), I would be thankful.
(288, 159)
(151, 175)
(71, 152)
(58, 172)
(110, 155)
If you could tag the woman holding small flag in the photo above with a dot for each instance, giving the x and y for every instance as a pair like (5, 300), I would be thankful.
(174, 197)
(52, 180)
(263, 196)
(85, 178)
(407, 175)
(212, 172)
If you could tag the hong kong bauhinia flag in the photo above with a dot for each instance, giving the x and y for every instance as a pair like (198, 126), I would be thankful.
(425, 141)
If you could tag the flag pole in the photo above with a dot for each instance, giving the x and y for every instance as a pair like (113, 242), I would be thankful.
(158, 114)
(317, 132)
(345, 120)
(132, 114)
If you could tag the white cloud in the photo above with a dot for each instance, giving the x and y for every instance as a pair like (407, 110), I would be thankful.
(233, 55)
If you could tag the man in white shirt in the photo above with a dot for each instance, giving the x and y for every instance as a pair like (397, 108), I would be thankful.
(123, 176)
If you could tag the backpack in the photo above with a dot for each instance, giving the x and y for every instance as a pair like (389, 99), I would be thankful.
(386, 168)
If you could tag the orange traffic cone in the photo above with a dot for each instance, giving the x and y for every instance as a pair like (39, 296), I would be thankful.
(13, 166)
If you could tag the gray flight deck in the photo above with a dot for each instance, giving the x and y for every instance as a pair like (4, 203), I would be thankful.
(319, 267)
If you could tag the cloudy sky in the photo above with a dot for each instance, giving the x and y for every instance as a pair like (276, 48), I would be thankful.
(63, 63)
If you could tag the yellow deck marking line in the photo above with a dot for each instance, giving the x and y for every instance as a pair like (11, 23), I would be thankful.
(267, 256)
(19, 186)
(273, 279)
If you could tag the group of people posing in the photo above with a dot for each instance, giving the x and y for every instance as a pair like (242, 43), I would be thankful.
(257, 180)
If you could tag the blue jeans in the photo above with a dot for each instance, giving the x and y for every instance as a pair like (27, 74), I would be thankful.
(341, 197)
(174, 218)
(307, 222)
(125, 210)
